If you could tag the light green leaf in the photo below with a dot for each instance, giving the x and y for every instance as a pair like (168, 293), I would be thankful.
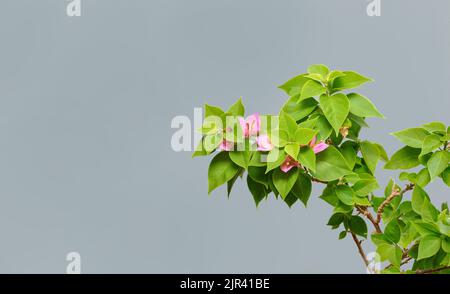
(302, 188)
(334, 74)
(405, 158)
(392, 231)
(284, 181)
(435, 126)
(241, 158)
(446, 245)
(237, 109)
(331, 165)
(220, 171)
(299, 109)
(335, 109)
(412, 137)
(288, 124)
(275, 158)
(211, 142)
(370, 154)
(294, 86)
(320, 69)
(345, 194)
(423, 178)
(312, 89)
(363, 107)
(213, 111)
(304, 135)
(292, 150)
(365, 185)
(382, 152)
(438, 163)
(429, 246)
(350, 80)
(307, 158)
(324, 127)
(430, 143)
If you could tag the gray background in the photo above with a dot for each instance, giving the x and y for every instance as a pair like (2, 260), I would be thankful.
(85, 111)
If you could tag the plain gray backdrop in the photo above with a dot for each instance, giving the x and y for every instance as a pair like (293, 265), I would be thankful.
(86, 105)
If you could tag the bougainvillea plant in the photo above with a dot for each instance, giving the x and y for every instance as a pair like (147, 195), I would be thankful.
(315, 139)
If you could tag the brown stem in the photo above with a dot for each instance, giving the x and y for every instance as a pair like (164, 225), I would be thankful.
(360, 249)
(318, 181)
(389, 199)
(369, 216)
(432, 270)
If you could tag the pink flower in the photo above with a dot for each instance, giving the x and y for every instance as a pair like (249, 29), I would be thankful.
(226, 145)
(319, 147)
(251, 125)
(288, 164)
(264, 143)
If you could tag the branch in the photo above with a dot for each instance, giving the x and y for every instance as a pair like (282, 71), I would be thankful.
(318, 181)
(369, 216)
(432, 270)
(389, 199)
(360, 249)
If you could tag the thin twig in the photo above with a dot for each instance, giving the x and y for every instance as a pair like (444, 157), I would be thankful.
(432, 270)
(394, 193)
(360, 249)
(369, 216)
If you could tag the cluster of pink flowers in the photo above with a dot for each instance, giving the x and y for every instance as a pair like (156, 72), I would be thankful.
(251, 127)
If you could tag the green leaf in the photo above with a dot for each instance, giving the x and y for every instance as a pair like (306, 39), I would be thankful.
(220, 171)
(288, 124)
(292, 150)
(365, 185)
(446, 176)
(258, 174)
(237, 109)
(299, 109)
(336, 220)
(312, 89)
(370, 154)
(345, 194)
(335, 108)
(331, 165)
(275, 158)
(363, 107)
(294, 86)
(211, 142)
(304, 135)
(429, 246)
(421, 204)
(333, 75)
(231, 182)
(241, 158)
(307, 158)
(320, 69)
(350, 80)
(257, 190)
(405, 158)
(438, 163)
(435, 126)
(342, 235)
(200, 150)
(412, 137)
(284, 181)
(302, 188)
(391, 252)
(392, 231)
(382, 152)
(290, 199)
(358, 226)
(430, 143)
(446, 245)
(349, 153)
(213, 111)
(258, 159)
(324, 127)
(423, 178)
